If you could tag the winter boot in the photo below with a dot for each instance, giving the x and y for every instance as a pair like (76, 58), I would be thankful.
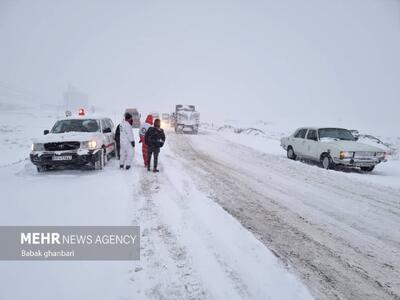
(121, 166)
(127, 167)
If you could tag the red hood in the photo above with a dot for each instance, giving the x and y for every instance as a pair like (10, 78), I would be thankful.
(149, 119)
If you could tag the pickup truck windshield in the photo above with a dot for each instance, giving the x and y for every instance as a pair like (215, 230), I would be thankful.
(75, 125)
(336, 133)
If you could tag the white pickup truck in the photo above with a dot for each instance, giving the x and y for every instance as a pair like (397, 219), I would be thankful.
(75, 141)
(332, 147)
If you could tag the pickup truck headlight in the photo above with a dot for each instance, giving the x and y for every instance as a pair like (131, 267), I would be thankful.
(89, 144)
(346, 154)
(37, 147)
(381, 155)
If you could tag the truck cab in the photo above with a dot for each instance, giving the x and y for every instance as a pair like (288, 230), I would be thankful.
(135, 116)
(187, 119)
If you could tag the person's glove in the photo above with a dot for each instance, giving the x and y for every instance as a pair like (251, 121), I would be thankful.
(140, 141)
(133, 144)
(160, 143)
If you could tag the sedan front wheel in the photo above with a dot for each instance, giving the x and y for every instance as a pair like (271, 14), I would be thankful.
(327, 162)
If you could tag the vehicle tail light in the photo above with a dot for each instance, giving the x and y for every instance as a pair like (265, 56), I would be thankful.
(81, 112)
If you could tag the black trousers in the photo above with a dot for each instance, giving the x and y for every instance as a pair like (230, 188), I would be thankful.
(118, 144)
(150, 152)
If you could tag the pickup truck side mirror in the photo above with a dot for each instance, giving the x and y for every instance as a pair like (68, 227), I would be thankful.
(46, 132)
(107, 130)
(356, 138)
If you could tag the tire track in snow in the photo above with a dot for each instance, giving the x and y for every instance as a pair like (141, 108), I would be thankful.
(237, 283)
(188, 286)
(166, 272)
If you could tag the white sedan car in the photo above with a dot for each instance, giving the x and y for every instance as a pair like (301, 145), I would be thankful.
(331, 147)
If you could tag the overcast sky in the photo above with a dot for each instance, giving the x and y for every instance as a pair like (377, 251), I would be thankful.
(306, 61)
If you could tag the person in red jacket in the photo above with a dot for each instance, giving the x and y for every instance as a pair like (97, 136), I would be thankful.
(142, 133)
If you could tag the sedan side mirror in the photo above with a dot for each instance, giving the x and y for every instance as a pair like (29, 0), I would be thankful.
(46, 132)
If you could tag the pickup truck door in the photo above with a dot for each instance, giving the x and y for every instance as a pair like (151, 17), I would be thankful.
(311, 144)
(107, 128)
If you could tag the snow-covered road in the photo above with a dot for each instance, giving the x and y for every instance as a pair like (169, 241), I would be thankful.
(193, 249)
(341, 234)
(190, 247)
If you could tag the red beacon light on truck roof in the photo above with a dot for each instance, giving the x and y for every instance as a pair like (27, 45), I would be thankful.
(81, 112)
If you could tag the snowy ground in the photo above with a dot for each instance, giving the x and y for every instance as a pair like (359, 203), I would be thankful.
(191, 248)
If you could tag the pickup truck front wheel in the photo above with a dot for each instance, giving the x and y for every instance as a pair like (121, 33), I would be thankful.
(290, 153)
(367, 169)
(327, 162)
(41, 169)
(101, 160)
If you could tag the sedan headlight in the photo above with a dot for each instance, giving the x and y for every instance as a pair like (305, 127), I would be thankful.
(346, 154)
(380, 154)
(89, 144)
(37, 147)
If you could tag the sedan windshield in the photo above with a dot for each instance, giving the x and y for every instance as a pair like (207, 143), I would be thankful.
(336, 133)
(76, 125)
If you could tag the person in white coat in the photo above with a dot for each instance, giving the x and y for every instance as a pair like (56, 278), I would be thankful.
(127, 143)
